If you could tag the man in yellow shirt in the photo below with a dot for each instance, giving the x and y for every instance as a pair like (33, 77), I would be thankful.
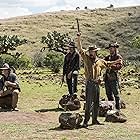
(93, 67)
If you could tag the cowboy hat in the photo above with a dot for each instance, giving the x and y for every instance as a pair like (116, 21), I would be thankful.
(5, 67)
(115, 45)
(71, 45)
(93, 48)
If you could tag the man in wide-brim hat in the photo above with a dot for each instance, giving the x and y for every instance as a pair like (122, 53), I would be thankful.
(5, 67)
(111, 77)
(71, 67)
(113, 45)
(9, 86)
(93, 66)
(92, 48)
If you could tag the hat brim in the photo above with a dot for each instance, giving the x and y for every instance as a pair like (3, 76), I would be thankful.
(112, 46)
(5, 69)
(70, 46)
(95, 50)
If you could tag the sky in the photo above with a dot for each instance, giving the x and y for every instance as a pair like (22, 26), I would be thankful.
(13, 8)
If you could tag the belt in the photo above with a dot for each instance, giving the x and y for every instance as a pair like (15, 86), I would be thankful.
(91, 80)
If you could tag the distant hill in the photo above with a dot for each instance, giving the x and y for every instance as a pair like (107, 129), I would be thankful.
(98, 26)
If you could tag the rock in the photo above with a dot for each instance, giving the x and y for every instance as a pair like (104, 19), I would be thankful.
(114, 116)
(70, 121)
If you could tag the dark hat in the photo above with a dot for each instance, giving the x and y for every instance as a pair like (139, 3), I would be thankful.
(5, 67)
(93, 48)
(115, 45)
(71, 45)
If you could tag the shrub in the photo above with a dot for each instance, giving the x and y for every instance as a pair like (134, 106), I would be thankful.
(38, 59)
(23, 62)
(136, 42)
(7, 59)
(20, 62)
(53, 61)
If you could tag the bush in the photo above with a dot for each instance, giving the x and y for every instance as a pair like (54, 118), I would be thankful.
(20, 62)
(38, 59)
(7, 59)
(24, 62)
(53, 61)
(136, 42)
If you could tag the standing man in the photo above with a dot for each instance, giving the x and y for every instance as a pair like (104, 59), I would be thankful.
(111, 76)
(93, 66)
(9, 86)
(71, 67)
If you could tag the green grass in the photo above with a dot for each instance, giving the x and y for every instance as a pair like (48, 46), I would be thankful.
(27, 124)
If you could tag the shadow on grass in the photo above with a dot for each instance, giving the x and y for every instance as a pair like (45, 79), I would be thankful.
(5, 110)
(57, 129)
(61, 129)
(50, 110)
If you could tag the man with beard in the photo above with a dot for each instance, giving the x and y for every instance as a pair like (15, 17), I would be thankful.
(93, 66)
(111, 76)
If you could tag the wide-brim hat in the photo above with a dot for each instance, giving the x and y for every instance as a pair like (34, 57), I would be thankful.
(71, 45)
(115, 45)
(5, 67)
(93, 48)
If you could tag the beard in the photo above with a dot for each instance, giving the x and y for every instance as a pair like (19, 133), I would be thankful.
(92, 56)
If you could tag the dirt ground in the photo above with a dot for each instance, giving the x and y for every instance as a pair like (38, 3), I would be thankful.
(44, 125)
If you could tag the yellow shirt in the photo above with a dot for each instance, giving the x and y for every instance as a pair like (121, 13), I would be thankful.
(93, 69)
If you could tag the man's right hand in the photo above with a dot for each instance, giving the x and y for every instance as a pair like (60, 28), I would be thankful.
(78, 34)
(118, 61)
(1, 92)
(62, 79)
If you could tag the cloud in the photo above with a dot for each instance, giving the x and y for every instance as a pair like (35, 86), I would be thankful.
(80, 3)
(7, 12)
(10, 8)
(40, 3)
(58, 8)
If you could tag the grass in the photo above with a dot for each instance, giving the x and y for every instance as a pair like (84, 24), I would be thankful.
(42, 90)
(44, 94)
(100, 26)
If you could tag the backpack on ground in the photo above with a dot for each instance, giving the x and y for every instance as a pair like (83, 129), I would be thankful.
(115, 116)
(70, 120)
(70, 102)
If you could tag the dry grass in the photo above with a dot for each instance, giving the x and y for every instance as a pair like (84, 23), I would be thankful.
(98, 26)
(44, 94)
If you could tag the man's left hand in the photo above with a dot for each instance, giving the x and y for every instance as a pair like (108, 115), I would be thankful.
(69, 75)
(7, 83)
(98, 81)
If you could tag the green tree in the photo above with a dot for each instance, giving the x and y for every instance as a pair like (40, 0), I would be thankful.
(56, 41)
(10, 42)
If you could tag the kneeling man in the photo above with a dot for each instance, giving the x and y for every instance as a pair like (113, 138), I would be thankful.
(9, 87)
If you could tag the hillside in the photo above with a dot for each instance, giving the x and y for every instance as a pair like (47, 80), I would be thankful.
(98, 26)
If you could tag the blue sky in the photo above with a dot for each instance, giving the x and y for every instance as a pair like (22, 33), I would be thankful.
(12, 8)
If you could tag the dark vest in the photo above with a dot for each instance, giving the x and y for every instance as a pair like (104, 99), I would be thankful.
(112, 74)
(71, 63)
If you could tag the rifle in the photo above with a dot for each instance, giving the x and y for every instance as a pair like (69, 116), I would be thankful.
(62, 83)
(78, 27)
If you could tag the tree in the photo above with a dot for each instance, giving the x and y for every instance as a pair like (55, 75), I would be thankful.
(10, 43)
(56, 41)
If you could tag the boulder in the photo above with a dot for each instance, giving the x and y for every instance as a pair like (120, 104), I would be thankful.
(70, 120)
(115, 116)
